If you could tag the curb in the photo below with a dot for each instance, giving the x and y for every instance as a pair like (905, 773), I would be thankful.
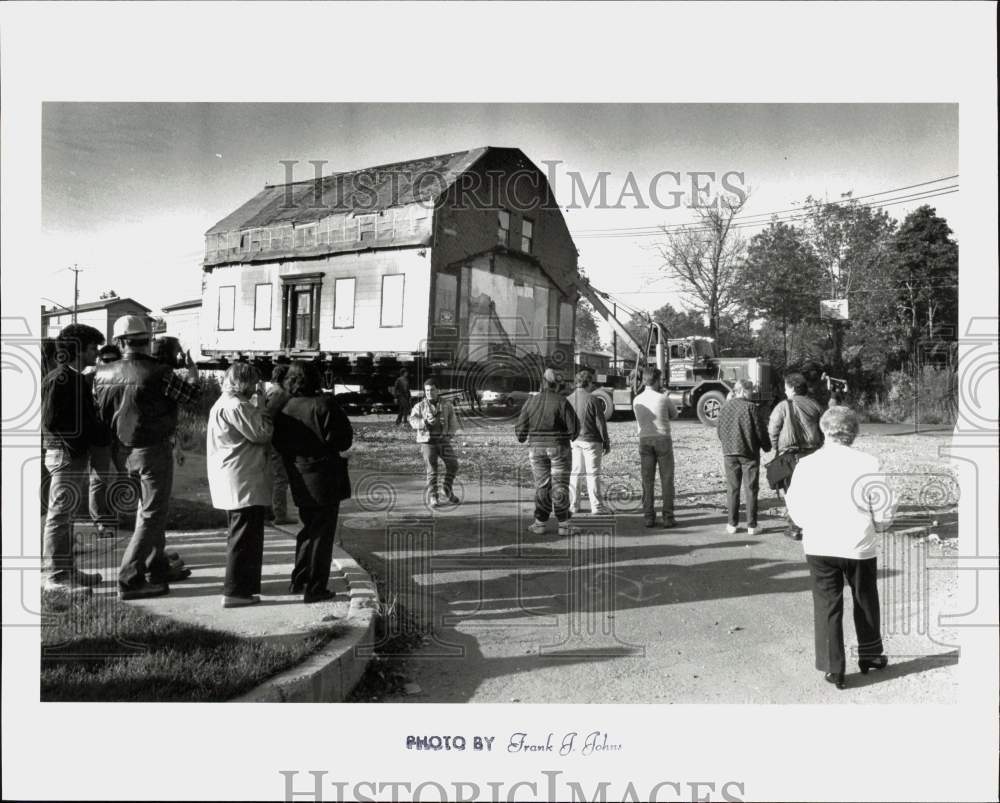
(329, 675)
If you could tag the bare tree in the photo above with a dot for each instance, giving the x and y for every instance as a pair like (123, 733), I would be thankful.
(705, 259)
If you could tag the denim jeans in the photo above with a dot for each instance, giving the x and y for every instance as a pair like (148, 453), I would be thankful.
(743, 471)
(431, 452)
(550, 466)
(653, 453)
(587, 458)
(111, 488)
(153, 468)
(67, 481)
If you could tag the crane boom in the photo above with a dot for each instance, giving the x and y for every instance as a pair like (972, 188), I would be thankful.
(596, 300)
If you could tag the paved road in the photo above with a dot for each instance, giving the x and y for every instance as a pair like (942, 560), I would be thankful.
(625, 614)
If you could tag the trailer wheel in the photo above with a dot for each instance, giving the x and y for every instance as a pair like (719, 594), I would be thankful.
(607, 404)
(709, 404)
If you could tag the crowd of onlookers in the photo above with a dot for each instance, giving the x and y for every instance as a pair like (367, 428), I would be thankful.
(109, 414)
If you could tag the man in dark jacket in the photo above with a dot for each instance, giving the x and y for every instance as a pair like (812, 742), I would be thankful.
(743, 434)
(548, 424)
(70, 429)
(137, 398)
(310, 432)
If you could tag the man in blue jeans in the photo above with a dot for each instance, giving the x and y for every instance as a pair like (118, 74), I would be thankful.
(435, 421)
(137, 399)
(70, 429)
(548, 423)
(653, 411)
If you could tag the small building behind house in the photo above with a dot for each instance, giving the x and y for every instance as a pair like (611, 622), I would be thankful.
(100, 314)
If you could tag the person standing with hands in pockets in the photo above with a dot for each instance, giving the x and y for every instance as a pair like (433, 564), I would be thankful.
(435, 421)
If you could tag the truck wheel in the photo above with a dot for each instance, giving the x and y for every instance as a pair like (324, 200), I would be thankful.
(709, 404)
(607, 404)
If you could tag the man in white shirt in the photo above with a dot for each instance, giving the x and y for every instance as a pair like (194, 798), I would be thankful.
(653, 411)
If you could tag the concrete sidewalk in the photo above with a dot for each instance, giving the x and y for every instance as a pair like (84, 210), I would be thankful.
(329, 674)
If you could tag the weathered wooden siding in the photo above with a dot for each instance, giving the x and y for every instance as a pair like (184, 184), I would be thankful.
(367, 334)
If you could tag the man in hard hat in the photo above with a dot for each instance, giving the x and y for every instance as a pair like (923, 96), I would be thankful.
(137, 397)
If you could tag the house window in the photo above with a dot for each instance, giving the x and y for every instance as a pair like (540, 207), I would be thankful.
(503, 227)
(366, 227)
(527, 232)
(565, 322)
(262, 306)
(392, 300)
(281, 238)
(227, 307)
(343, 303)
(255, 239)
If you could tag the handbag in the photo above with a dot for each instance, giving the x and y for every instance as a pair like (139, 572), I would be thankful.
(779, 471)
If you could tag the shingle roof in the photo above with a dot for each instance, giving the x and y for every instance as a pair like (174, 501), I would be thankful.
(195, 302)
(369, 189)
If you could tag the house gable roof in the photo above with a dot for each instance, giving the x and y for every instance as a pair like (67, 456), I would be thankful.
(370, 189)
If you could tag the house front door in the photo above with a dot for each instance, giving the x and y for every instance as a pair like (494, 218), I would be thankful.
(302, 317)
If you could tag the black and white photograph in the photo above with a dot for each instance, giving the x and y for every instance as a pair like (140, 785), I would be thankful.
(597, 411)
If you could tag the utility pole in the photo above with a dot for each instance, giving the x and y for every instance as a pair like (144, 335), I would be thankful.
(76, 288)
(614, 342)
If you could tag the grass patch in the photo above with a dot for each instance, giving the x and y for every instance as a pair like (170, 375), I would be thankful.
(98, 650)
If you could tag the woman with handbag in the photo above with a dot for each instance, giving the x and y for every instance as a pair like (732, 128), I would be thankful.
(310, 432)
(794, 431)
(832, 500)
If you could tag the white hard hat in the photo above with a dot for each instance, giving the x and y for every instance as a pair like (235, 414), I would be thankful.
(130, 326)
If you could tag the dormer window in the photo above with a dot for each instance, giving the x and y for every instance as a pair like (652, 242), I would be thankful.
(527, 234)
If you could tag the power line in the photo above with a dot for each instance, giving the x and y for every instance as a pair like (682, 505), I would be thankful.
(696, 229)
(746, 218)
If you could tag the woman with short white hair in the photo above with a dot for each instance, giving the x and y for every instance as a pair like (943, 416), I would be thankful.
(830, 498)
(239, 478)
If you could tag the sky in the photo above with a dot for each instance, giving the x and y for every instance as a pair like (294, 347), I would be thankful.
(128, 190)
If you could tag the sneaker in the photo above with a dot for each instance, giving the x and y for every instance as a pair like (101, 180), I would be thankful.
(454, 499)
(669, 523)
(650, 522)
(538, 527)
(175, 574)
(574, 511)
(85, 578)
(240, 602)
(731, 530)
(567, 529)
(144, 591)
(65, 585)
(434, 503)
(753, 530)
(601, 511)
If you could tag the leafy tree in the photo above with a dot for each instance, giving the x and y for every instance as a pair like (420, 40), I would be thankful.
(705, 259)
(781, 279)
(853, 245)
(925, 262)
(587, 334)
(108, 294)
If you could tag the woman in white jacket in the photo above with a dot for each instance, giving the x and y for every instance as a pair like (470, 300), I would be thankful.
(239, 478)
(832, 498)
